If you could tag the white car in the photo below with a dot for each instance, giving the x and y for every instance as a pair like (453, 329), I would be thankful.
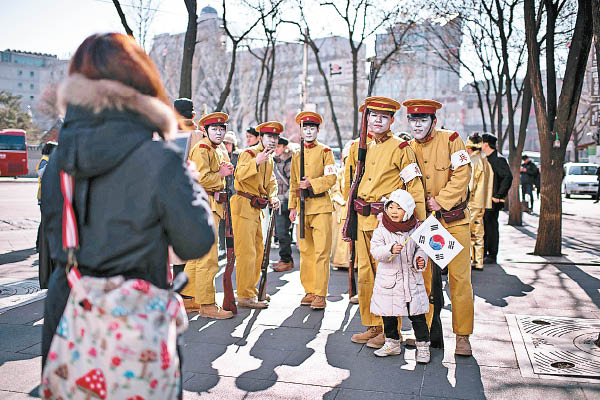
(580, 178)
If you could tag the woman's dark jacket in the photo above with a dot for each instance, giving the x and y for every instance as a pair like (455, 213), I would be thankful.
(132, 197)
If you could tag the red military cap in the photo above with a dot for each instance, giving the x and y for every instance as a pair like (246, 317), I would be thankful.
(380, 103)
(219, 118)
(272, 127)
(309, 116)
(420, 106)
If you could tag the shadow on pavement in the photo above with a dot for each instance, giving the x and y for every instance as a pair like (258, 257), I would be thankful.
(497, 285)
(272, 341)
(16, 256)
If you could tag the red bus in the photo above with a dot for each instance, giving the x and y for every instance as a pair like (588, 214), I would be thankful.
(13, 152)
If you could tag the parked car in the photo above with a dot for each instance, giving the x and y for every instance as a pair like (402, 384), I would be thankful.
(580, 178)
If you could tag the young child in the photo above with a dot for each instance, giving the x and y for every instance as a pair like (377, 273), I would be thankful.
(399, 287)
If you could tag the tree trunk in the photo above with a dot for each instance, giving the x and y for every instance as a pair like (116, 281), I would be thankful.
(189, 46)
(227, 88)
(123, 18)
(596, 19)
(549, 236)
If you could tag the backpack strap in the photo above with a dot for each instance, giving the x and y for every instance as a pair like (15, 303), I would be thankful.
(70, 234)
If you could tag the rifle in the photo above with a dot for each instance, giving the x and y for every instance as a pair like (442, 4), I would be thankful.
(229, 300)
(262, 286)
(350, 229)
(351, 273)
(302, 191)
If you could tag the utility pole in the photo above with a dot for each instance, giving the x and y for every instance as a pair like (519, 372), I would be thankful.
(304, 90)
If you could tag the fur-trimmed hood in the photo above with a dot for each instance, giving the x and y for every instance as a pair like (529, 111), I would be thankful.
(103, 94)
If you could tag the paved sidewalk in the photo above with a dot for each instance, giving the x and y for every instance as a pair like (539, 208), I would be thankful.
(292, 352)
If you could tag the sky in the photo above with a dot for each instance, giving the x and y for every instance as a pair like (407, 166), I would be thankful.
(59, 26)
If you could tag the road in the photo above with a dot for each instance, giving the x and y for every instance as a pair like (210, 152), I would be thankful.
(292, 352)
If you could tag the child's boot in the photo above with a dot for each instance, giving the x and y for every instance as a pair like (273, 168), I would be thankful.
(391, 347)
(423, 354)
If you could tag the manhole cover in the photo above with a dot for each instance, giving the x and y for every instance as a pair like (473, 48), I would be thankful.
(15, 294)
(558, 345)
(28, 286)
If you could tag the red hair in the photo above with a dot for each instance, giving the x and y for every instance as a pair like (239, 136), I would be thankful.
(118, 57)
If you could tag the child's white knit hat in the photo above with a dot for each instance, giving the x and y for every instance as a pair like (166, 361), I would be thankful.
(404, 200)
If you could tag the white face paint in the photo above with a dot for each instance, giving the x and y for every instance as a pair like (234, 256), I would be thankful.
(420, 127)
(379, 122)
(310, 132)
(216, 133)
(269, 141)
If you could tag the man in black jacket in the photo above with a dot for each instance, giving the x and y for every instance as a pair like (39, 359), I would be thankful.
(529, 174)
(502, 181)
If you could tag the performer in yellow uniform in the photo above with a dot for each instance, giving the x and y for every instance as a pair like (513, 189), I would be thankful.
(256, 187)
(446, 169)
(481, 187)
(320, 176)
(350, 165)
(390, 164)
(213, 166)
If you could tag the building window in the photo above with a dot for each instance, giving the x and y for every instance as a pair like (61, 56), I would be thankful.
(31, 86)
(31, 73)
(31, 97)
(20, 73)
(19, 84)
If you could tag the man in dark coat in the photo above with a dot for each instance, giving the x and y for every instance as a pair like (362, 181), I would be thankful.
(529, 174)
(502, 181)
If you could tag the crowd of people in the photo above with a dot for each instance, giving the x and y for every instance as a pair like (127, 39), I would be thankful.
(135, 201)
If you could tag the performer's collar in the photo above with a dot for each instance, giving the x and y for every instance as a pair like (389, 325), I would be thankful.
(383, 138)
(427, 138)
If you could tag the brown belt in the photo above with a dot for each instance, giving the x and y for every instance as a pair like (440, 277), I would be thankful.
(310, 193)
(456, 213)
(365, 208)
(255, 201)
(218, 195)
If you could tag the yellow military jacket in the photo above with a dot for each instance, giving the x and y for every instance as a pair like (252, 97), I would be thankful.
(350, 165)
(208, 158)
(257, 180)
(482, 182)
(390, 165)
(320, 169)
(446, 168)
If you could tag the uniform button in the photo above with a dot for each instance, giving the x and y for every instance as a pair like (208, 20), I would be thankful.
(369, 178)
(373, 163)
(425, 161)
(427, 176)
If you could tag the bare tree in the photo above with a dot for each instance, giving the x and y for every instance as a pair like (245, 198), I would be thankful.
(189, 46)
(143, 13)
(123, 18)
(555, 116)
(360, 23)
(235, 42)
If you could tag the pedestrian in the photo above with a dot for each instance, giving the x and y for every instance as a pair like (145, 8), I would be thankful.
(390, 164)
(598, 193)
(502, 181)
(446, 169)
(399, 286)
(231, 144)
(256, 187)
(46, 265)
(213, 166)
(319, 177)
(283, 171)
(529, 174)
(185, 108)
(252, 137)
(481, 186)
(132, 195)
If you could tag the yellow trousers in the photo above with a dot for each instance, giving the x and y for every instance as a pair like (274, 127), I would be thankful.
(340, 250)
(315, 249)
(367, 266)
(459, 278)
(477, 233)
(201, 273)
(249, 246)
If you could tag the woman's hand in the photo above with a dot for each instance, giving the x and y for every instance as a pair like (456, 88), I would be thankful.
(420, 263)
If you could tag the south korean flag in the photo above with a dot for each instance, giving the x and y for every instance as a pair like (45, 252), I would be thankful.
(436, 241)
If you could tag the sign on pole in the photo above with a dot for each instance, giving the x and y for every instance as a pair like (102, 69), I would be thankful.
(436, 241)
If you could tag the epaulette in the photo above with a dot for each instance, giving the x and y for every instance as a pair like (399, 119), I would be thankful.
(326, 149)
(204, 146)
(249, 152)
(403, 144)
(453, 136)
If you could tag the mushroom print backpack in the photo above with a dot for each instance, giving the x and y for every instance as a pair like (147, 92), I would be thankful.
(117, 338)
